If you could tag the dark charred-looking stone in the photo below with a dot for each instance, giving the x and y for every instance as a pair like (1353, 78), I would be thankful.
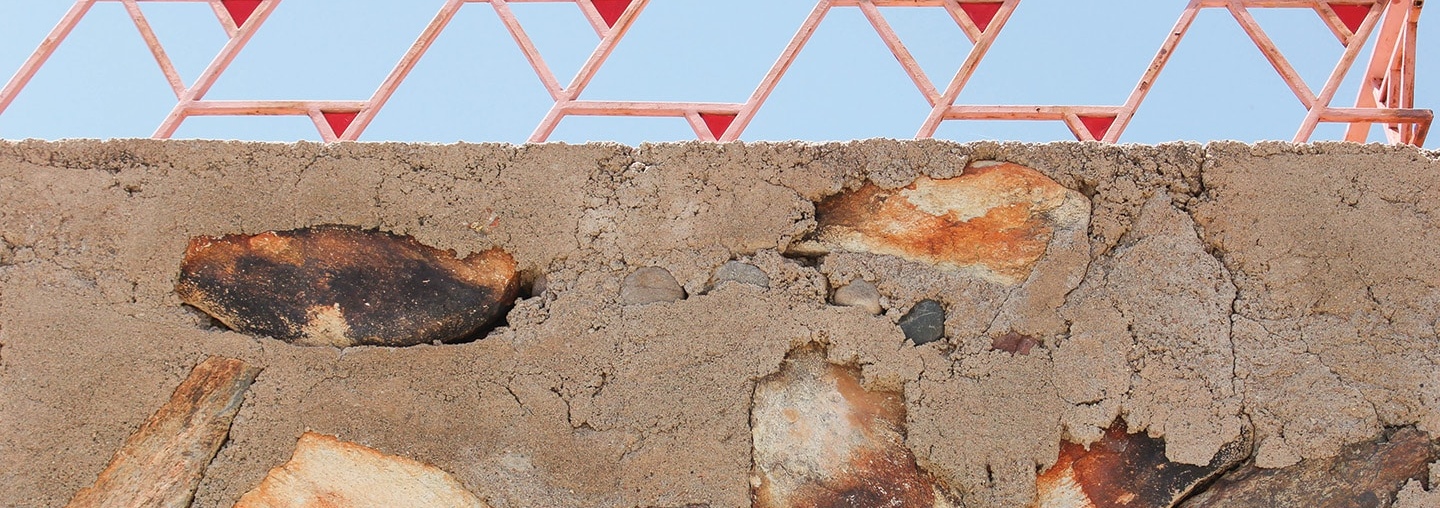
(1362, 475)
(345, 286)
(1014, 343)
(651, 284)
(1126, 471)
(925, 323)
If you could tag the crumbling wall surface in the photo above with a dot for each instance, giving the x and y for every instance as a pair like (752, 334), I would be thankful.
(1285, 295)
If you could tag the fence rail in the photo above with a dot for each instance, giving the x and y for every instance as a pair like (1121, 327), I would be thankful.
(1386, 97)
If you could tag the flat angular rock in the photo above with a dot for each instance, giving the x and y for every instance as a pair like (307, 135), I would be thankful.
(822, 440)
(345, 286)
(924, 323)
(1126, 471)
(651, 284)
(995, 218)
(327, 472)
(1363, 474)
(745, 273)
(163, 462)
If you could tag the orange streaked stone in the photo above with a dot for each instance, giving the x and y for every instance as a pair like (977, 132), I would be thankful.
(996, 217)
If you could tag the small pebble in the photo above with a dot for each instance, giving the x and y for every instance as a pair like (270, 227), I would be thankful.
(735, 271)
(537, 287)
(859, 293)
(649, 285)
(925, 323)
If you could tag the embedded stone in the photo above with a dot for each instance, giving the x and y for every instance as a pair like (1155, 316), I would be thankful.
(745, 273)
(859, 293)
(822, 440)
(1014, 343)
(1125, 471)
(163, 462)
(335, 285)
(996, 219)
(325, 471)
(651, 284)
(925, 323)
(1371, 473)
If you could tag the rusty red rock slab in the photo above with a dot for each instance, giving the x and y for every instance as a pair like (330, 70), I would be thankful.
(1126, 471)
(1013, 343)
(995, 217)
(344, 286)
(822, 440)
(327, 472)
(1363, 474)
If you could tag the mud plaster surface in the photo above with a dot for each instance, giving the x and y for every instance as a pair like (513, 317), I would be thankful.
(1289, 291)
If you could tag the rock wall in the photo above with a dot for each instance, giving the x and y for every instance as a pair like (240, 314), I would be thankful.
(1213, 296)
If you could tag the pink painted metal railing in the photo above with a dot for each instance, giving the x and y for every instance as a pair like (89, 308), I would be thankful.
(1386, 96)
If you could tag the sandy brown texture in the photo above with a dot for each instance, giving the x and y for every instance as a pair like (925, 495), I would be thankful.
(1287, 288)
(330, 473)
(162, 463)
(1338, 290)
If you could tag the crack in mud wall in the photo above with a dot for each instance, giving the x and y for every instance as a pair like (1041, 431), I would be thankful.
(1291, 292)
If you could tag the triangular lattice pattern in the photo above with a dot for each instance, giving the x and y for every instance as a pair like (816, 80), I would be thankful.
(1387, 96)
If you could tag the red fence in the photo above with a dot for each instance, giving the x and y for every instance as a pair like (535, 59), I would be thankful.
(1386, 96)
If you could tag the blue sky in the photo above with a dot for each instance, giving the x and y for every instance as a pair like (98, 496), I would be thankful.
(474, 84)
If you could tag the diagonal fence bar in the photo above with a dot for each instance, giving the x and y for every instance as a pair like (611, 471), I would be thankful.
(1386, 94)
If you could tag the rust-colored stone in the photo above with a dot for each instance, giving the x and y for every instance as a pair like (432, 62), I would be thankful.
(163, 462)
(330, 473)
(997, 217)
(344, 286)
(1126, 471)
(822, 440)
(1014, 343)
(1365, 474)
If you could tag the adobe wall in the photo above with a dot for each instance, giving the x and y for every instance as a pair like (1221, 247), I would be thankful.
(1285, 295)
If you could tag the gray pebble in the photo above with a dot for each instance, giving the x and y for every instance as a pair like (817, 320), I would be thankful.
(649, 285)
(859, 293)
(735, 271)
(925, 323)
